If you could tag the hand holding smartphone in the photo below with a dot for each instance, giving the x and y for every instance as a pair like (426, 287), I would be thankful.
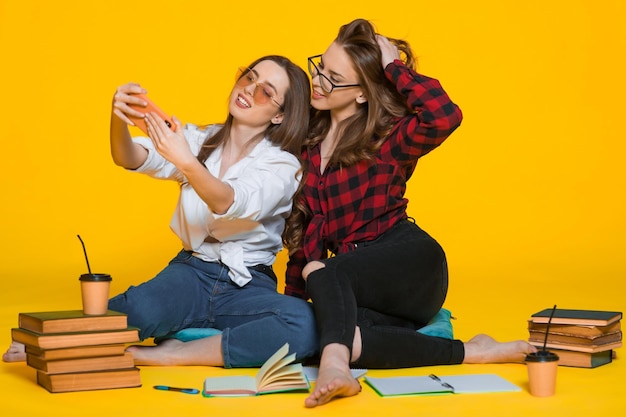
(140, 122)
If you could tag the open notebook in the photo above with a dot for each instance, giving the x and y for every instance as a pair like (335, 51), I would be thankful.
(432, 384)
(312, 372)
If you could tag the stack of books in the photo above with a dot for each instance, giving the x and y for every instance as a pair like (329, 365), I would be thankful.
(72, 351)
(581, 338)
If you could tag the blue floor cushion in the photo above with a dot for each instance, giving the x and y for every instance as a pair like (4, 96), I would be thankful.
(440, 325)
(189, 334)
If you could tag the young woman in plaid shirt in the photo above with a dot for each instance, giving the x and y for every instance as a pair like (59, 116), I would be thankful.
(387, 277)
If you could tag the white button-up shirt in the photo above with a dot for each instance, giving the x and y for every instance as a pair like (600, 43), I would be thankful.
(249, 233)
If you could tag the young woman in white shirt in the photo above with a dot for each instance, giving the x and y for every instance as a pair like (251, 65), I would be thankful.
(237, 181)
(216, 302)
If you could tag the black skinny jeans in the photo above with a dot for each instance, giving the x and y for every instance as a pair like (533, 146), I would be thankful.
(389, 287)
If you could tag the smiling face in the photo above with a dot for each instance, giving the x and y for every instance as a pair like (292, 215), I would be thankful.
(337, 66)
(257, 103)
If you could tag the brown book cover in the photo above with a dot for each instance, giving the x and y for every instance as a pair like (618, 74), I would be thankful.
(575, 330)
(65, 366)
(76, 352)
(71, 321)
(537, 336)
(578, 348)
(86, 381)
(583, 359)
(581, 317)
(65, 340)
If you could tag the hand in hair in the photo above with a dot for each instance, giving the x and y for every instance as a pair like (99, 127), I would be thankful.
(388, 50)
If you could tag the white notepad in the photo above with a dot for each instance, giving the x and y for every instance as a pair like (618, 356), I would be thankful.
(431, 384)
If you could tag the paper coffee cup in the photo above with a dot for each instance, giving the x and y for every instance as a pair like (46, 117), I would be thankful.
(542, 368)
(95, 293)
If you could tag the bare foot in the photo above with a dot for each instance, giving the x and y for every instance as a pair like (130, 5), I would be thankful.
(206, 351)
(162, 354)
(332, 383)
(15, 353)
(334, 379)
(485, 349)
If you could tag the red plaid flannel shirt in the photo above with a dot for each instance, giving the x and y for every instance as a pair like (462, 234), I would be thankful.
(360, 202)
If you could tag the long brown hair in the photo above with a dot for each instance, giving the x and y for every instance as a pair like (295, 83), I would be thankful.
(362, 134)
(289, 134)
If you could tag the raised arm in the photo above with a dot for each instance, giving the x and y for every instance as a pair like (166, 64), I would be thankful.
(434, 116)
(124, 151)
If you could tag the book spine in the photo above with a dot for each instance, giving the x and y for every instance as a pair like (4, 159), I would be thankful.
(86, 381)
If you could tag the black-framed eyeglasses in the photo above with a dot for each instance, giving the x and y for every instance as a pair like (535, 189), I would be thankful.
(263, 93)
(327, 85)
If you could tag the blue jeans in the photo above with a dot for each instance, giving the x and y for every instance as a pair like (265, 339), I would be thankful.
(255, 320)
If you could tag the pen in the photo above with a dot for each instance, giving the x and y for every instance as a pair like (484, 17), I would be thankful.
(443, 384)
(183, 390)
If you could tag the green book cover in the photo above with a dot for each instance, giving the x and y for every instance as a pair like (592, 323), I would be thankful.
(581, 317)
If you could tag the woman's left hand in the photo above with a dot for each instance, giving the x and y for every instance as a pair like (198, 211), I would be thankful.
(170, 145)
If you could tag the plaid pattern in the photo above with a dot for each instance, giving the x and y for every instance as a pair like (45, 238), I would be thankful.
(360, 202)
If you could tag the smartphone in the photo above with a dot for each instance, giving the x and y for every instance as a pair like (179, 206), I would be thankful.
(140, 122)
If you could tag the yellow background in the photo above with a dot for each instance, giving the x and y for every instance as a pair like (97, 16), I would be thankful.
(527, 197)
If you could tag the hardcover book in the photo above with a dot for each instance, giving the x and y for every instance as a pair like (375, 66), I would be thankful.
(65, 340)
(86, 381)
(578, 348)
(583, 359)
(579, 317)
(537, 336)
(574, 329)
(76, 352)
(71, 321)
(278, 374)
(64, 366)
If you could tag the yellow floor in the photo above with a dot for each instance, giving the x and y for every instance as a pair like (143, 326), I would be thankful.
(580, 392)
(527, 197)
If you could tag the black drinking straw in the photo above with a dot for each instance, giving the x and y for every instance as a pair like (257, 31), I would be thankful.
(545, 341)
(85, 252)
